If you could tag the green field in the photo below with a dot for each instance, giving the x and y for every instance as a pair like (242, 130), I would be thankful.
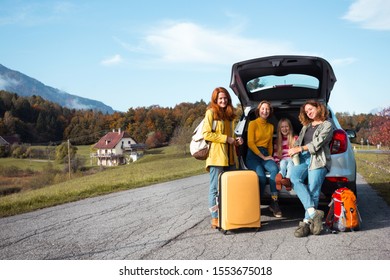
(158, 165)
(376, 171)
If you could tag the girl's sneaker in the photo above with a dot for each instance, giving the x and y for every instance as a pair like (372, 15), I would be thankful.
(275, 209)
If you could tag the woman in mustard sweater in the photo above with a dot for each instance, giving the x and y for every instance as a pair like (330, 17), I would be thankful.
(259, 157)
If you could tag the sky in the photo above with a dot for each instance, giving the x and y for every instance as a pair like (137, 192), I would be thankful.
(130, 54)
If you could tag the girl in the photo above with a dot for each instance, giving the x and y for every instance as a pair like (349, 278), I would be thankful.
(284, 141)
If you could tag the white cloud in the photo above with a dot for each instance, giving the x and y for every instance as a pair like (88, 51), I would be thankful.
(6, 83)
(187, 42)
(370, 14)
(114, 60)
(343, 61)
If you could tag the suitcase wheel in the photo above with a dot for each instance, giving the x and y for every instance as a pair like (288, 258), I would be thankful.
(224, 232)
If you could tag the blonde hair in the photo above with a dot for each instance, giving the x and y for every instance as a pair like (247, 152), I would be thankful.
(279, 137)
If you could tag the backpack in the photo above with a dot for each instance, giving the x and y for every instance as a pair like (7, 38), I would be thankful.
(199, 147)
(343, 212)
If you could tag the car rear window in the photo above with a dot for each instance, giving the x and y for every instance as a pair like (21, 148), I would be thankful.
(291, 80)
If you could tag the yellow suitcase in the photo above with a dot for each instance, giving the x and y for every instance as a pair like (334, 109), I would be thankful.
(238, 200)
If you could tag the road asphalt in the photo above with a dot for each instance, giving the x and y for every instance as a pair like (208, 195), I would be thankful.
(170, 221)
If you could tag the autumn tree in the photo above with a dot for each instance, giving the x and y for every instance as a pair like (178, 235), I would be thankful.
(86, 127)
(155, 139)
(380, 128)
(359, 123)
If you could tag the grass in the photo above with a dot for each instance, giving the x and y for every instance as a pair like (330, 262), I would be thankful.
(376, 171)
(158, 165)
(31, 164)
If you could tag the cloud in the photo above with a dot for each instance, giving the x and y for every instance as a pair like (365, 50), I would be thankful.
(114, 60)
(343, 61)
(6, 82)
(370, 14)
(187, 42)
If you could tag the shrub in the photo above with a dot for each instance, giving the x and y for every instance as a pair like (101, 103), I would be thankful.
(10, 171)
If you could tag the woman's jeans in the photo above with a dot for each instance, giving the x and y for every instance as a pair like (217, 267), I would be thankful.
(285, 166)
(309, 194)
(254, 162)
(213, 191)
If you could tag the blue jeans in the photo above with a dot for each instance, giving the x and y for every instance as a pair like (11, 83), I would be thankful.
(285, 166)
(259, 165)
(309, 194)
(213, 190)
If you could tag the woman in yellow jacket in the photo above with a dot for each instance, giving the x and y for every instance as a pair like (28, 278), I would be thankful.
(222, 149)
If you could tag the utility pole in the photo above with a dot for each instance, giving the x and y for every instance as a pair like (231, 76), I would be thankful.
(69, 157)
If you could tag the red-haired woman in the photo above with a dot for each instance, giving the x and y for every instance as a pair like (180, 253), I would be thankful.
(223, 141)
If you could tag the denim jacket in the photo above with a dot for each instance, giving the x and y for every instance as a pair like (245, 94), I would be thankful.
(319, 148)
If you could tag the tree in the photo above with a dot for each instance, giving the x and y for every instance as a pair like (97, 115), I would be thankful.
(181, 137)
(62, 152)
(155, 139)
(380, 128)
(255, 84)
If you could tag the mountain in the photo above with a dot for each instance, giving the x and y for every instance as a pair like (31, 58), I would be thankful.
(377, 110)
(23, 85)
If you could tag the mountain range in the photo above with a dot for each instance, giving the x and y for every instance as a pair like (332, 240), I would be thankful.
(23, 85)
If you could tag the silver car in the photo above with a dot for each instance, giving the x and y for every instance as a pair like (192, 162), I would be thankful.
(287, 82)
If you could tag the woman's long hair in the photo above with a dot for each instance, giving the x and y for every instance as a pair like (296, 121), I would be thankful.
(322, 112)
(279, 137)
(226, 113)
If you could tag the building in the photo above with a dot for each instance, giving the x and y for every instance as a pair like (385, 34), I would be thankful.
(116, 148)
(6, 142)
(10, 140)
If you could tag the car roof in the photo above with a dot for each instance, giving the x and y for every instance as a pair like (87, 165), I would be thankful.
(281, 65)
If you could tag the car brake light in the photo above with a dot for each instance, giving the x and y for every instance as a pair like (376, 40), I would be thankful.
(339, 142)
(336, 179)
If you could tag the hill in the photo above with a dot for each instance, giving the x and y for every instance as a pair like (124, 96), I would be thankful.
(23, 85)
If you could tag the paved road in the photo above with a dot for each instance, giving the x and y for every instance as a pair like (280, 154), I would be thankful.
(170, 221)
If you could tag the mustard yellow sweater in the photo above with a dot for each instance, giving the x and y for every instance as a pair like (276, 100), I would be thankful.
(260, 133)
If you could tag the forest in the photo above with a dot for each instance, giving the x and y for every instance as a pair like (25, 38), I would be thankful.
(40, 122)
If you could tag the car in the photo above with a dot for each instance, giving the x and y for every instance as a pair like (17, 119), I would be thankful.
(287, 82)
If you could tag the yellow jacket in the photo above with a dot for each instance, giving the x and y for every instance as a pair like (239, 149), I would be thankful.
(219, 148)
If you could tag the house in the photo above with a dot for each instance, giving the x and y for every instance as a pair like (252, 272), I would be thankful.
(9, 140)
(116, 148)
(3, 142)
(6, 142)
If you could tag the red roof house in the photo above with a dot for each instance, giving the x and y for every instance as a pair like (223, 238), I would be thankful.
(117, 147)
